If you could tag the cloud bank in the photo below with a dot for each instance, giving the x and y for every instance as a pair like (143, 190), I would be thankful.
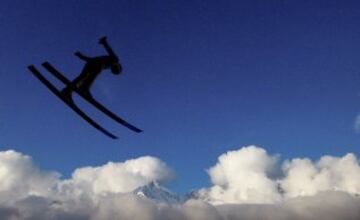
(247, 183)
(247, 176)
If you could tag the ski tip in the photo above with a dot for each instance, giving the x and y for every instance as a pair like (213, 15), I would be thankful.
(135, 129)
(33, 69)
(46, 64)
(112, 136)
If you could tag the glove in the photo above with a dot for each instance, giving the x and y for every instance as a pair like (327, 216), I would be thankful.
(102, 40)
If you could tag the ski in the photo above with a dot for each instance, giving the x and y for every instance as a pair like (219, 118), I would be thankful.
(76, 109)
(90, 99)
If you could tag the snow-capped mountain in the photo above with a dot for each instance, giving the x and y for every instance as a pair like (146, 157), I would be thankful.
(157, 193)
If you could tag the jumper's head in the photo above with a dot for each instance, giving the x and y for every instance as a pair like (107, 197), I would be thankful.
(115, 65)
(116, 68)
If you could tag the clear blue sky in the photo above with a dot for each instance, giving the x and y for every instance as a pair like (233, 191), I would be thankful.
(200, 78)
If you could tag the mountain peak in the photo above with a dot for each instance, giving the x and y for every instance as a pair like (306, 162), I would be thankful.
(157, 193)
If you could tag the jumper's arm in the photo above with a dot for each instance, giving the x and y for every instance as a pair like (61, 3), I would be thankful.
(82, 56)
(107, 47)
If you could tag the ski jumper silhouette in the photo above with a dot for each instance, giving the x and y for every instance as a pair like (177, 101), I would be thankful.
(92, 69)
(82, 84)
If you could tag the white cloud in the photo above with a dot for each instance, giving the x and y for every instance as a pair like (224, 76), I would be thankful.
(325, 189)
(116, 177)
(328, 205)
(304, 177)
(19, 177)
(242, 176)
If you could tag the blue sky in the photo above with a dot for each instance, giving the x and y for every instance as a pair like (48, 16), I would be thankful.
(200, 78)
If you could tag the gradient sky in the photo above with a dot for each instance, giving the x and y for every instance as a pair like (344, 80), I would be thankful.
(200, 78)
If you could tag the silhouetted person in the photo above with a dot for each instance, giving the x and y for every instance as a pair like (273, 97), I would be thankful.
(92, 68)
